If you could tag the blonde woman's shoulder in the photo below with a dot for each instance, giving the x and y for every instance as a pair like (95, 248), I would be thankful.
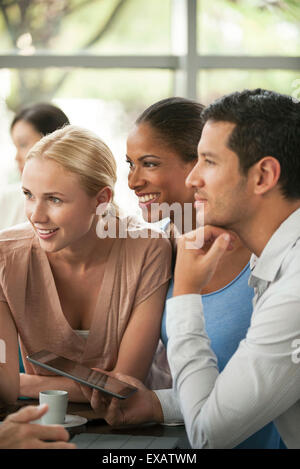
(17, 235)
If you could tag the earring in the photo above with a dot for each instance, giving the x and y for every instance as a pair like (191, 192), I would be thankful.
(101, 208)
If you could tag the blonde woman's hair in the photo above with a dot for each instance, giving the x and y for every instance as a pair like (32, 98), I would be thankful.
(81, 152)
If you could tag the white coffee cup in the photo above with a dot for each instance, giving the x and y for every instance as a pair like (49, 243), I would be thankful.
(57, 402)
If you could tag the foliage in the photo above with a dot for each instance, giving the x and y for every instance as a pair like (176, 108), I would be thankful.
(34, 25)
(285, 9)
(137, 26)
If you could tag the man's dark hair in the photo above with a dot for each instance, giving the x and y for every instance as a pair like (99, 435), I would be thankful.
(44, 117)
(177, 123)
(266, 124)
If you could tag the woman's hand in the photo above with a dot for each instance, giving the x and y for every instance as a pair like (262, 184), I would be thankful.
(195, 265)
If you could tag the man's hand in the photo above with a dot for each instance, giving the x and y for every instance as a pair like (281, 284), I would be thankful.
(16, 431)
(142, 406)
(97, 400)
(196, 265)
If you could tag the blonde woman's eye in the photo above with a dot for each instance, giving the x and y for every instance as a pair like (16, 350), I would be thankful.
(55, 200)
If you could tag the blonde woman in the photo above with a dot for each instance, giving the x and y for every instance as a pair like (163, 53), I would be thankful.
(95, 300)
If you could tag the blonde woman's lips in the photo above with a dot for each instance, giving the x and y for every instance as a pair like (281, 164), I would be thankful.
(46, 234)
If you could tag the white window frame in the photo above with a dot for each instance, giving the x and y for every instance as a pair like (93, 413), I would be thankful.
(184, 61)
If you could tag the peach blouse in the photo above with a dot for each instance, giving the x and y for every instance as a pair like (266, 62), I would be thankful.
(136, 268)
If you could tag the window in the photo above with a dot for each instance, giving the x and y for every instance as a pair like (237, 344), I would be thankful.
(104, 61)
(248, 27)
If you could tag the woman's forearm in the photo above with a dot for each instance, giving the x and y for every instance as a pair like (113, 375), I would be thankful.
(9, 387)
(31, 385)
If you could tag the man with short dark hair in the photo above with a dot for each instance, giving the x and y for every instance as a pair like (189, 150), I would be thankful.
(247, 181)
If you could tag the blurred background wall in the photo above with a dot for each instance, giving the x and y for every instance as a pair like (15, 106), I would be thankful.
(104, 61)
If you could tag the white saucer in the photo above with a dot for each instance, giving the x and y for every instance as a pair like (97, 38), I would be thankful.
(74, 421)
(70, 421)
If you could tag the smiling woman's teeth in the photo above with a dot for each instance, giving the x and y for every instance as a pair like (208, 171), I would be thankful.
(146, 198)
(46, 231)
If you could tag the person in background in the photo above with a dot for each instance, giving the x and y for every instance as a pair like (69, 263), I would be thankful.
(28, 127)
(17, 431)
(161, 152)
(63, 287)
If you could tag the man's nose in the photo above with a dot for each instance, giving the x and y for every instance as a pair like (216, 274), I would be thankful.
(194, 178)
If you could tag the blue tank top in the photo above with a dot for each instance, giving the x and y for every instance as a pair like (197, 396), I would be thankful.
(227, 314)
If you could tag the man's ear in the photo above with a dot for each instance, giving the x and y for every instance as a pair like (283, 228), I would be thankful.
(266, 173)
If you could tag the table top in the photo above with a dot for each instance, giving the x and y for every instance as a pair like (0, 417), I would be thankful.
(96, 425)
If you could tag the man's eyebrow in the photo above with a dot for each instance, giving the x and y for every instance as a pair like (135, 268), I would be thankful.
(208, 153)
